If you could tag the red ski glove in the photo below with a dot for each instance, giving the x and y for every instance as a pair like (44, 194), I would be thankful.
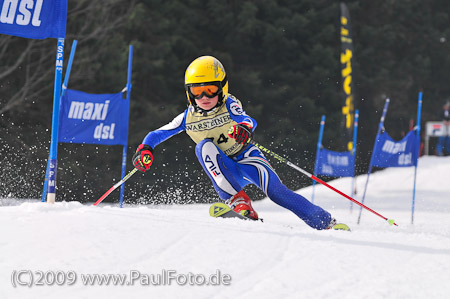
(241, 132)
(143, 158)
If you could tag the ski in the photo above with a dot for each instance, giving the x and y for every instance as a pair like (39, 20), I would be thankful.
(221, 210)
(341, 226)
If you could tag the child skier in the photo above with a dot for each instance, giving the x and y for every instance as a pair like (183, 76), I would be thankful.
(222, 130)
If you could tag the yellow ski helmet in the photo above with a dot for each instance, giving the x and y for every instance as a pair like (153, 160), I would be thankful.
(207, 72)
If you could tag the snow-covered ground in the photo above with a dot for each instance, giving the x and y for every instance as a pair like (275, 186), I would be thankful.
(280, 258)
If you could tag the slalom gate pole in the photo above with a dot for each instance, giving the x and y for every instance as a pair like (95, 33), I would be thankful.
(125, 146)
(380, 127)
(53, 153)
(355, 137)
(319, 146)
(115, 186)
(419, 113)
(284, 160)
(63, 90)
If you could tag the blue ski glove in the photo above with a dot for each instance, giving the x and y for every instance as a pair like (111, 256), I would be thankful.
(143, 158)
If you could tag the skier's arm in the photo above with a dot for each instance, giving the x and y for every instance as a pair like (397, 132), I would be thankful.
(238, 114)
(143, 158)
(177, 125)
(242, 132)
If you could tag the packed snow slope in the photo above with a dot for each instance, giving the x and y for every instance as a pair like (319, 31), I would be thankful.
(279, 258)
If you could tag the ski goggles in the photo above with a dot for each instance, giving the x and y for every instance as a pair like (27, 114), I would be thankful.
(198, 91)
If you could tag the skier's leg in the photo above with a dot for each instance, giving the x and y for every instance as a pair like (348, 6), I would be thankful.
(211, 158)
(226, 177)
(256, 167)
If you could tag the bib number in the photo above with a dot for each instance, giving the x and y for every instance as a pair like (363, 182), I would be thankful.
(222, 139)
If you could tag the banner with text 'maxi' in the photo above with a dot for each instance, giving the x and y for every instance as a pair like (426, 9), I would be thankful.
(93, 118)
(335, 164)
(390, 153)
(38, 19)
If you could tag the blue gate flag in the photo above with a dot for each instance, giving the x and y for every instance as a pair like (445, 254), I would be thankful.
(94, 118)
(38, 19)
(390, 153)
(336, 164)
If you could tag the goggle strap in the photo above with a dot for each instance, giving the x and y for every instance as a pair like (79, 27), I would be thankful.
(224, 81)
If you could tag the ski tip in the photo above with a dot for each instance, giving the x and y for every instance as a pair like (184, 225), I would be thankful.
(218, 209)
(221, 210)
(341, 226)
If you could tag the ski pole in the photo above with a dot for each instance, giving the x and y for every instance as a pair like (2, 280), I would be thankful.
(284, 160)
(115, 186)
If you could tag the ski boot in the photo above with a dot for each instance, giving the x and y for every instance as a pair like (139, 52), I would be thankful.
(241, 204)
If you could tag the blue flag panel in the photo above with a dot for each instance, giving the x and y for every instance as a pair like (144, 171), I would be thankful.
(336, 164)
(36, 19)
(390, 153)
(93, 118)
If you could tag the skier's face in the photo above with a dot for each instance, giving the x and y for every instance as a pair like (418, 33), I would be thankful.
(207, 103)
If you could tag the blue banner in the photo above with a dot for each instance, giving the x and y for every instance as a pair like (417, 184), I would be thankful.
(336, 164)
(37, 19)
(93, 118)
(390, 153)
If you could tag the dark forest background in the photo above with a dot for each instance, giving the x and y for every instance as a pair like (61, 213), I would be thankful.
(282, 61)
